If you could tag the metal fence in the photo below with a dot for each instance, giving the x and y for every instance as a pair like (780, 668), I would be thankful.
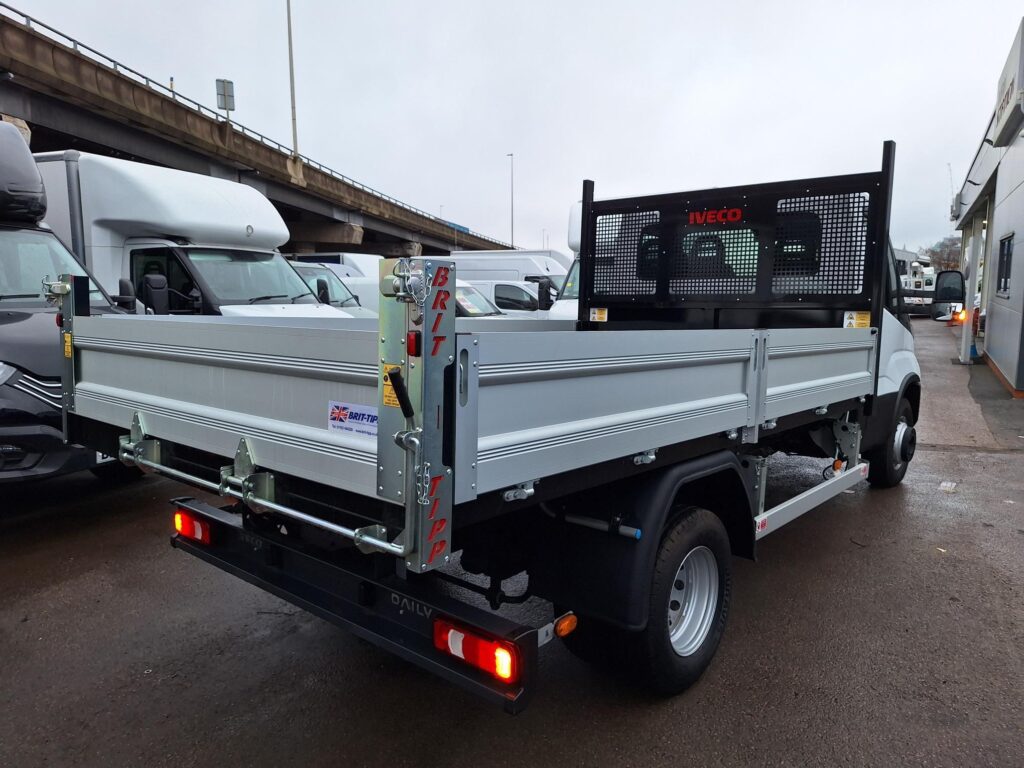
(155, 85)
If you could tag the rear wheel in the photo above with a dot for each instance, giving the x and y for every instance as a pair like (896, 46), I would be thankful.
(889, 461)
(689, 603)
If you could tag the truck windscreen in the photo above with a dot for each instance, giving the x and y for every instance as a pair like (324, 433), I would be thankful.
(338, 294)
(472, 303)
(241, 277)
(27, 258)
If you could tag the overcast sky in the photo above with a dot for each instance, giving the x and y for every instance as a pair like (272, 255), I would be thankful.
(424, 100)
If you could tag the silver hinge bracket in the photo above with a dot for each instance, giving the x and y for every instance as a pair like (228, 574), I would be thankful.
(136, 446)
(243, 474)
(378, 532)
(647, 457)
(521, 492)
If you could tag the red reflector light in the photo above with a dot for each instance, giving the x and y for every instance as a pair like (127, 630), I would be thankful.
(191, 527)
(412, 343)
(60, 319)
(498, 658)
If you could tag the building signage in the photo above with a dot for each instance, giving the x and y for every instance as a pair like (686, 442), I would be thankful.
(1009, 106)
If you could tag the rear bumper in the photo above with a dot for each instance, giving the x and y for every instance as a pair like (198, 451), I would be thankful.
(395, 614)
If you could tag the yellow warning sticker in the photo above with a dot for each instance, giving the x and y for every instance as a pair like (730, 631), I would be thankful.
(598, 315)
(857, 320)
(390, 398)
(67, 345)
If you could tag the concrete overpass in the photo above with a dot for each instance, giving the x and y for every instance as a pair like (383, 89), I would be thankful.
(74, 97)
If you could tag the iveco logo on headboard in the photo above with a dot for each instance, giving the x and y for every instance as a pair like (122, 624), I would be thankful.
(716, 216)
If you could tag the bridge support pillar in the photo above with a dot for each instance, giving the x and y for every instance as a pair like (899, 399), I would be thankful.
(325, 232)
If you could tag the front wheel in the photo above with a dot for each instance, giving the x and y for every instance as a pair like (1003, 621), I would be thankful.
(889, 461)
(689, 603)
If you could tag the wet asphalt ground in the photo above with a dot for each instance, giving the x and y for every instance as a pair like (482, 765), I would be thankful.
(884, 628)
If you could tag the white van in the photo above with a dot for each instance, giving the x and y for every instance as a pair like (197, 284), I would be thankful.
(360, 279)
(181, 243)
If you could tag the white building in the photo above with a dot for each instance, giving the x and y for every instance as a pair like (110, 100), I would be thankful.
(989, 211)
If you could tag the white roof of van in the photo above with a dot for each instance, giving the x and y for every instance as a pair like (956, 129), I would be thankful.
(139, 200)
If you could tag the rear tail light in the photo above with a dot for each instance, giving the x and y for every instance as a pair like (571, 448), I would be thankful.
(191, 527)
(498, 658)
(961, 315)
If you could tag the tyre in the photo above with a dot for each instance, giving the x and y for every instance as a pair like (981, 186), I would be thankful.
(889, 461)
(116, 472)
(689, 603)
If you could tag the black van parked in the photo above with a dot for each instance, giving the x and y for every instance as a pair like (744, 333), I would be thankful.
(31, 434)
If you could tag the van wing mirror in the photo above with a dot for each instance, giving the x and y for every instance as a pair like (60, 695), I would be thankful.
(125, 298)
(545, 290)
(323, 293)
(949, 287)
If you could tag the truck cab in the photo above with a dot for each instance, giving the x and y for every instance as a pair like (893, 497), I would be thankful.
(187, 279)
(31, 433)
(330, 289)
(180, 243)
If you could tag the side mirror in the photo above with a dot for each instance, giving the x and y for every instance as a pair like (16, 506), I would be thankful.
(950, 295)
(545, 290)
(949, 287)
(125, 298)
(323, 293)
(155, 294)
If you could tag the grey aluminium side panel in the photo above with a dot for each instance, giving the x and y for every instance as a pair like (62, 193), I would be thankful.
(812, 367)
(555, 401)
(208, 384)
(466, 420)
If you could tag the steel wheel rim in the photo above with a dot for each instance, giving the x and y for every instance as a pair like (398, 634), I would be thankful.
(692, 601)
(897, 439)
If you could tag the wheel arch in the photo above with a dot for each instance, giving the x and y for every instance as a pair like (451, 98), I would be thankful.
(876, 427)
(911, 390)
(618, 571)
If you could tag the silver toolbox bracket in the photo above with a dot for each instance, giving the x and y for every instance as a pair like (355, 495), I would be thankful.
(847, 434)
(756, 469)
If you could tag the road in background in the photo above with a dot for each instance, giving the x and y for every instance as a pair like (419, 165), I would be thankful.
(885, 628)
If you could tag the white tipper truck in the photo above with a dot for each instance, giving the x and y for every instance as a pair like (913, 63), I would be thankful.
(181, 243)
(615, 463)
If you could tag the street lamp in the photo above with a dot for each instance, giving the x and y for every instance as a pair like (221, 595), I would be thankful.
(291, 78)
(512, 197)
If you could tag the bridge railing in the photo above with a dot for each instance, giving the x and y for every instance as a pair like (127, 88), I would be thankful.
(155, 85)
